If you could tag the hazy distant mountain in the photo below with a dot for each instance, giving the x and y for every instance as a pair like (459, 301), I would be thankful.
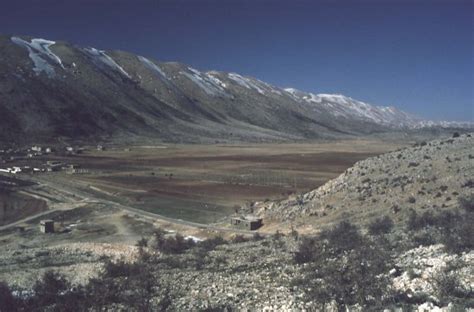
(52, 90)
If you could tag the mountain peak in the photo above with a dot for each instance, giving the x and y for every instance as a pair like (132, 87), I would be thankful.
(55, 90)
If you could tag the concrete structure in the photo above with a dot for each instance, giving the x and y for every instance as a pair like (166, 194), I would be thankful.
(53, 165)
(47, 226)
(250, 223)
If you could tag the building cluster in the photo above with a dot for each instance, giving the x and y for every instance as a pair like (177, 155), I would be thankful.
(25, 156)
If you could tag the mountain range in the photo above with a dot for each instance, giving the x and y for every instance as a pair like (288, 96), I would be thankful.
(59, 91)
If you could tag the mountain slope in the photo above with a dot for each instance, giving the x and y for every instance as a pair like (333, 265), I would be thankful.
(54, 90)
(431, 175)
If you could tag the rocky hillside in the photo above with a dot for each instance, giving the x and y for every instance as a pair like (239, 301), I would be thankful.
(240, 275)
(417, 258)
(429, 175)
(55, 90)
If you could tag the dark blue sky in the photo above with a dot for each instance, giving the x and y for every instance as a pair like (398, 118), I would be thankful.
(416, 55)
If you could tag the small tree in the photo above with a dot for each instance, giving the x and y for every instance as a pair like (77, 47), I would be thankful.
(54, 292)
(129, 284)
(306, 250)
(49, 288)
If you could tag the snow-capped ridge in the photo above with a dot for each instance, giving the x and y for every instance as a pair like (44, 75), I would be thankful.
(207, 82)
(102, 57)
(252, 83)
(152, 66)
(41, 55)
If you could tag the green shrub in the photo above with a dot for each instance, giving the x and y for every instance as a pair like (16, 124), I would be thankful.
(469, 183)
(53, 292)
(447, 286)
(120, 269)
(173, 244)
(344, 236)
(459, 237)
(417, 222)
(424, 238)
(143, 242)
(306, 250)
(257, 236)
(467, 203)
(211, 243)
(380, 226)
(344, 266)
(451, 228)
(8, 303)
(134, 291)
(239, 239)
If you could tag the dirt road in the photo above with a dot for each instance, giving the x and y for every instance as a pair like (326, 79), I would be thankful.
(78, 193)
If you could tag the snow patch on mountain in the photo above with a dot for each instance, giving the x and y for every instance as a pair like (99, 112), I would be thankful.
(245, 82)
(212, 76)
(268, 87)
(208, 83)
(342, 106)
(102, 57)
(41, 55)
(155, 68)
(239, 79)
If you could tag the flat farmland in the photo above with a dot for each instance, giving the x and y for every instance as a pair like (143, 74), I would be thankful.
(205, 183)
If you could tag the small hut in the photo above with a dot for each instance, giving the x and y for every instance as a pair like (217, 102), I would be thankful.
(47, 226)
(249, 222)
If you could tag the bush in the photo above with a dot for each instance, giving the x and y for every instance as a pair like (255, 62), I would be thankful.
(143, 242)
(133, 291)
(467, 203)
(257, 236)
(448, 287)
(211, 243)
(294, 233)
(453, 229)
(344, 267)
(173, 244)
(344, 236)
(277, 236)
(120, 269)
(469, 183)
(458, 238)
(380, 226)
(425, 238)
(306, 250)
(200, 258)
(239, 239)
(7, 301)
(53, 291)
(416, 222)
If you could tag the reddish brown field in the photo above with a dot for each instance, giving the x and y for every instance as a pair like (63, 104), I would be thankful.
(204, 183)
